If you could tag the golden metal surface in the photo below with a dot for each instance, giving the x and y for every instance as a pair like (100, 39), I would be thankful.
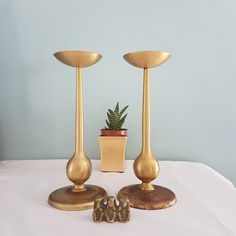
(67, 199)
(79, 167)
(112, 152)
(158, 198)
(145, 166)
(78, 58)
(146, 59)
(107, 209)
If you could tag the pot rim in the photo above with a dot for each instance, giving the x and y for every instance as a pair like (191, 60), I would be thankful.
(114, 129)
(114, 132)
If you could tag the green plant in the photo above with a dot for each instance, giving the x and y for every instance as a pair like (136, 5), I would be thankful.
(115, 118)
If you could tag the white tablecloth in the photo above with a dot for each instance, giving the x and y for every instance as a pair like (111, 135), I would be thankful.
(206, 202)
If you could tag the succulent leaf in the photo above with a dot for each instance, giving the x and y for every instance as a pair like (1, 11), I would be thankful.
(123, 110)
(108, 124)
(122, 120)
(117, 107)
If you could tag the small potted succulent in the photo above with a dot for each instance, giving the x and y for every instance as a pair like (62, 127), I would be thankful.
(112, 141)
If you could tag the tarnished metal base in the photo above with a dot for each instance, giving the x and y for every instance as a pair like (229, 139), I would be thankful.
(66, 199)
(158, 198)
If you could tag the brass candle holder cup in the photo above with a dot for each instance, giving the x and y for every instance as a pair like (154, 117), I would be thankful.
(78, 196)
(146, 168)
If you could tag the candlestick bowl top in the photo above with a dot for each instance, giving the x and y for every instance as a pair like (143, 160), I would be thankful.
(146, 59)
(78, 58)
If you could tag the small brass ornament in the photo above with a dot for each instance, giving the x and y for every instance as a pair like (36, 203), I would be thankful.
(107, 209)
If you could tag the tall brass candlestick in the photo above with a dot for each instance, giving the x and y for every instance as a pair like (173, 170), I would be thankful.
(146, 168)
(78, 169)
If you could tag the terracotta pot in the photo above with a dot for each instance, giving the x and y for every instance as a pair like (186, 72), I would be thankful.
(114, 132)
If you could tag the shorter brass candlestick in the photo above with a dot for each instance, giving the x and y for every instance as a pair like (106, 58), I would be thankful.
(146, 168)
(79, 168)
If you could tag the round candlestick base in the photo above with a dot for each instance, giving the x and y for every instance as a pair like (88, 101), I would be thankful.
(158, 198)
(66, 199)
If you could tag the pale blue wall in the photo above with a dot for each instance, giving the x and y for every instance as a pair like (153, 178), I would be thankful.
(192, 95)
